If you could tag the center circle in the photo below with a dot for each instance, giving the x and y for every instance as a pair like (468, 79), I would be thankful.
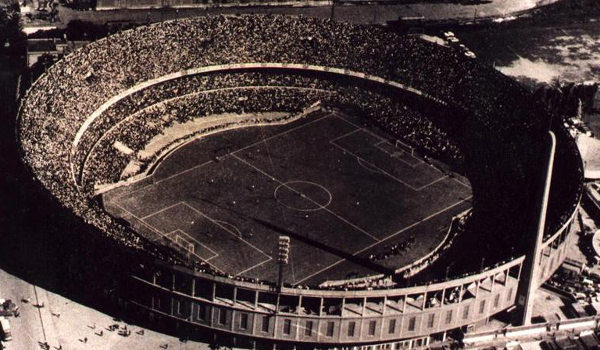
(302, 195)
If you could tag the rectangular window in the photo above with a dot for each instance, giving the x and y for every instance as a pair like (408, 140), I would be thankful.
(392, 326)
(412, 323)
(287, 326)
(177, 306)
(351, 326)
(449, 317)
(222, 316)
(372, 325)
(430, 319)
(201, 311)
(496, 300)
(308, 329)
(243, 321)
(466, 312)
(509, 295)
(265, 324)
(482, 306)
(330, 329)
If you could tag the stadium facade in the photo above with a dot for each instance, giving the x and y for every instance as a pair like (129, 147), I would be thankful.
(359, 317)
(81, 124)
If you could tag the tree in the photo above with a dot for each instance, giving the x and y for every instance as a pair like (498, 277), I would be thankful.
(11, 35)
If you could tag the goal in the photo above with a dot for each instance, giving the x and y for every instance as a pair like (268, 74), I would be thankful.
(184, 243)
(406, 148)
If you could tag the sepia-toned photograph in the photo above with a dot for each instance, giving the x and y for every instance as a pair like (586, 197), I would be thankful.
(300, 174)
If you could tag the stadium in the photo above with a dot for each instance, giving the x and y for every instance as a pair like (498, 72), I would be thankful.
(404, 173)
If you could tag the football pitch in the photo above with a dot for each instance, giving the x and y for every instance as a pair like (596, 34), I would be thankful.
(340, 188)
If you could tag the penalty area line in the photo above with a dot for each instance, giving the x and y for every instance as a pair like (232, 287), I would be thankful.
(255, 266)
(226, 229)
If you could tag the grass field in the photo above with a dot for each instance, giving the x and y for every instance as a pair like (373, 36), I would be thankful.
(339, 188)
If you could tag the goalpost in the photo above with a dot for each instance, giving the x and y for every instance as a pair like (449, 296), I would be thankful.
(406, 148)
(184, 243)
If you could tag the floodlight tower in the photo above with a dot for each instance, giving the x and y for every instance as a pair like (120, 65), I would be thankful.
(283, 257)
(530, 275)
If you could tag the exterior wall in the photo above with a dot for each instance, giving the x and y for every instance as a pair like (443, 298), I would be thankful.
(554, 252)
(380, 317)
(554, 249)
(301, 315)
(358, 316)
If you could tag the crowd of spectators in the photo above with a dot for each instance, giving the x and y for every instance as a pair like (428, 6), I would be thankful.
(136, 119)
(170, 89)
(492, 115)
(108, 162)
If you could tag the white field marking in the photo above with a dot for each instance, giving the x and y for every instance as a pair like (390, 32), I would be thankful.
(169, 100)
(230, 225)
(416, 223)
(442, 178)
(161, 210)
(226, 229)
(278, 135)
(433, 182)
(419, 161)
(253, 267)
(320, 271)
(228, 154)
(351, 224)
(187, 250)
(341, 117)
(378, 137)
(386, 238)
(159, 160)
(165, 179)
(215, 254)
(416, 189)
(307, 197)
(367, 166)
(373, 165)
(462, 183)
(161, 234)
(304, 67)
(152, 228)
(319, 206)
(345, 135)
(169, 234)
(384, 140)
